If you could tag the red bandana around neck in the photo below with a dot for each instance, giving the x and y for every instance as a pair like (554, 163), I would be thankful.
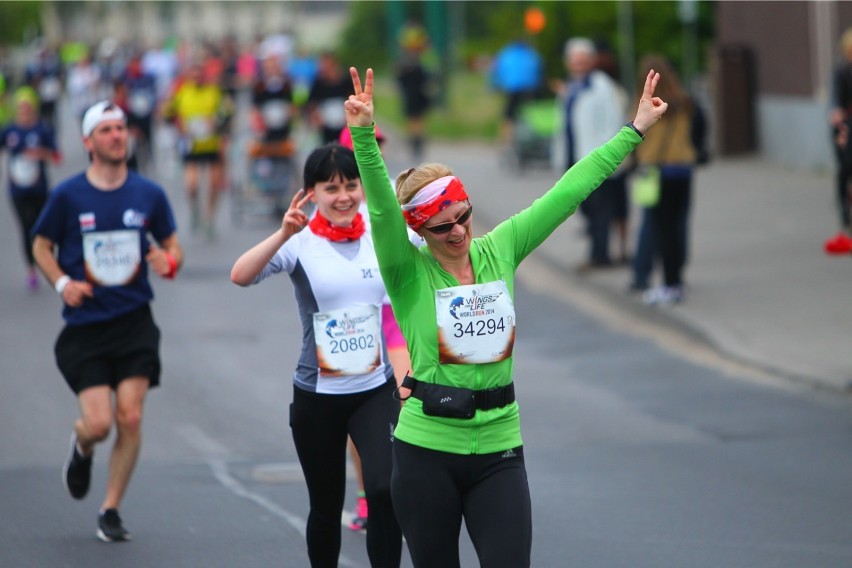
(322, 227)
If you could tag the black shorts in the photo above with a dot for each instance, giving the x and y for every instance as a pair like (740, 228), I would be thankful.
(105, 353)
(203, 158)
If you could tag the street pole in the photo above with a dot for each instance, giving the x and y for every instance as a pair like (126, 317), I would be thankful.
(627, 46)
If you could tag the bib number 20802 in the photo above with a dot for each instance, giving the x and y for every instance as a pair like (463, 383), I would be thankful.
(348, 340)
(353, 344)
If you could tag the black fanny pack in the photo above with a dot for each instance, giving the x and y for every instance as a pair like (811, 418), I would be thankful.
(455, 402)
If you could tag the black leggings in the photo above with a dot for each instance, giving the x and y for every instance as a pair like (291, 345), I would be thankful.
(432, 491)
(671, 223)
(844, 176)
(320, 424)
(28, 208)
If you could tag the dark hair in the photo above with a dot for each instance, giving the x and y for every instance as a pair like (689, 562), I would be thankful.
(329, 161)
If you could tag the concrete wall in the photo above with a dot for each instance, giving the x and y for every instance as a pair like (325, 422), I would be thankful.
(795, 49)
(794, 131)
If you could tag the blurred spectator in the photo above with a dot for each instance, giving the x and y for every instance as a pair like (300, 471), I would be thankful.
(619, 205)
(517, 71)
(841, 119)
(162, 64)
(272, 101)
(136, 94)
(594, 109)
(199, 108)
(675, 148)
(110, 61)
(30, 143)
(330, 90)
(414, 83)
(303, 72)
(247, 66)
(44, 74)
(230, 55)
(84, 85)
(279, 45)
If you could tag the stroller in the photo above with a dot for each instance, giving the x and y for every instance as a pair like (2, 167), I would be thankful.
(533, 133)
(266, 190)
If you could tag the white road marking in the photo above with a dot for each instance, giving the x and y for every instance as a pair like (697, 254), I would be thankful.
(196, 437)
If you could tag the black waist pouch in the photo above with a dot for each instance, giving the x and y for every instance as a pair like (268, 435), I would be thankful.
(448, 402)
(456, 402)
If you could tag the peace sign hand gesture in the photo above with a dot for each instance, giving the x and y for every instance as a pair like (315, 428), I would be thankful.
(295, 219)
(359, 107)
(651, 109)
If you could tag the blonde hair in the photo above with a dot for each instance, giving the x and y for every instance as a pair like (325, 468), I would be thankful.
(409, 182)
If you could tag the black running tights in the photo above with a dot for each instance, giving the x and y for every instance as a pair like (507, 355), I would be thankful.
(320, 425)
(433, 491)
(28, 208)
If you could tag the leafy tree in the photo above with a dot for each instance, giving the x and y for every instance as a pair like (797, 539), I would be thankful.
(19, 21)
(484, 27)
(366, 36)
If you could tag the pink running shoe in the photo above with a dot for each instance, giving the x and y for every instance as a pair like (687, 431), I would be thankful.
(32, 281)
(359, 518)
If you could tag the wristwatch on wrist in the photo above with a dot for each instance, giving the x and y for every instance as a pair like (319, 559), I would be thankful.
(636, 130)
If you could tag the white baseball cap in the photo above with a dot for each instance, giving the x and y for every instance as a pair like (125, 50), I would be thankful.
(98, 113)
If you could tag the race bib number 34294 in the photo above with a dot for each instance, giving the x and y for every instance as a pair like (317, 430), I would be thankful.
(476, 323)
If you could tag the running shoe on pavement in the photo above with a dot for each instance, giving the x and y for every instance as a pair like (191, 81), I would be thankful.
(663, 296)
(32, 281)
(841, 243)
(78, 471)
(359, 517)
(110, 528)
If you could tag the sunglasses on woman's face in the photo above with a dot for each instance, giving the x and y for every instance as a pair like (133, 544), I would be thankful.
(447, 227)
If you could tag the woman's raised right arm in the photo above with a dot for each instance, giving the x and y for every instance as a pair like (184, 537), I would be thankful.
(390, 236)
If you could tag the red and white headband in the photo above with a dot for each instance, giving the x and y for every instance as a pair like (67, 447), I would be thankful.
(432, 199)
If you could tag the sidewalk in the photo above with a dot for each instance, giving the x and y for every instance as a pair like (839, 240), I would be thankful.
(760, 289)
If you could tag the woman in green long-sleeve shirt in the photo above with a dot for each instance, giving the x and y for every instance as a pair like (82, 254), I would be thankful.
(458, 452)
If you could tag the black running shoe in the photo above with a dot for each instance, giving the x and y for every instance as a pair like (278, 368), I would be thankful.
(110, 528)
(78, 472)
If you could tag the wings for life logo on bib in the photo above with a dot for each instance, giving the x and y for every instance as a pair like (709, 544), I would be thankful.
(476, 323)
(113, 258)
(348, 341)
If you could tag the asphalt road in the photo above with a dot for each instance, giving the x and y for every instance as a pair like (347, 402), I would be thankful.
(638, 455)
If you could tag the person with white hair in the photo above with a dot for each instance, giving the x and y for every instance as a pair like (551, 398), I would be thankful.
(593, 107)
(110, 227)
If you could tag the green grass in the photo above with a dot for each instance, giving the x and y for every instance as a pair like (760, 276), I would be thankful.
(472, 110)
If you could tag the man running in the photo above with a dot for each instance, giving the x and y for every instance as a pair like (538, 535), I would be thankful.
(101, 221)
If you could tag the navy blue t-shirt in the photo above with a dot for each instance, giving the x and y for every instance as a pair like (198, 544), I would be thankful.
(101, 237)
(26, 175)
